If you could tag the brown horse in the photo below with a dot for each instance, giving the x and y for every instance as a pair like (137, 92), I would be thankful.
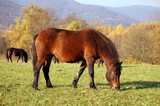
(20, 53)
(73, 46)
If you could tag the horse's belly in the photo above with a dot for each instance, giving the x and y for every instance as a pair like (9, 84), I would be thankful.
(69, 55)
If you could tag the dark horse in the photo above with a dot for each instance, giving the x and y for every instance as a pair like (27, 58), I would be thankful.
(16, 52)
(73, 46)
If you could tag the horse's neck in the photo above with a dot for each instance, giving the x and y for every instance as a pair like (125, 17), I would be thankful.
(110, 60)
(108, 53)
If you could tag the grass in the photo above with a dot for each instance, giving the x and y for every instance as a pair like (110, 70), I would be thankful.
(140, 86)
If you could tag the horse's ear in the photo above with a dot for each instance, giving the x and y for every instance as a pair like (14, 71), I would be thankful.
(121, 62)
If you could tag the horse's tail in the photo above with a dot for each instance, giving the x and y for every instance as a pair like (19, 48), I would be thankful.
(7, 57)
(34, 52)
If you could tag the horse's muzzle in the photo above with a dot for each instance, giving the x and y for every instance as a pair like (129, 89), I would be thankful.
(117, 88)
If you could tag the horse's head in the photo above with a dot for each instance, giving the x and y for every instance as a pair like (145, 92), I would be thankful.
(25, 60)
(25, 57)
(113, 75)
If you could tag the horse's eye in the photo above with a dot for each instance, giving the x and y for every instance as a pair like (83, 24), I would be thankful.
(114, 73)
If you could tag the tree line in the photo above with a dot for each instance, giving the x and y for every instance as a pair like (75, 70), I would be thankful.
(140, 42)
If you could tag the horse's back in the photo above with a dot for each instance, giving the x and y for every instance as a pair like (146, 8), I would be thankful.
(16, 52)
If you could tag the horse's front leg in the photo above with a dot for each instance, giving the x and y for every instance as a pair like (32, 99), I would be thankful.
(46, 67)
(80, 71)
(90, 65)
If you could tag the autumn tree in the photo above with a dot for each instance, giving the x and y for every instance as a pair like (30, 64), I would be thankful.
(38, 18)
(135, 43)
(74, 25)
(103, 29)
(3, 44)
(142, 42)
(34, 20)
(154, 36)
(72, 22)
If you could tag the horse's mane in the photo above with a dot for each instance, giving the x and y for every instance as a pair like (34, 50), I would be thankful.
(24, 54)
(111, 47)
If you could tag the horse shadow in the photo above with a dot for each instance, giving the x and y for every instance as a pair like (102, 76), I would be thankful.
(59, 86)
(140, 85)
(135, 85)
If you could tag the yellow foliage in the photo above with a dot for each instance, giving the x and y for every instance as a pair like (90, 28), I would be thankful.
(35, 20)
(139, 41)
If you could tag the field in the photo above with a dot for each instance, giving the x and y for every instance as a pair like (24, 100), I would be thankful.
(140, 86)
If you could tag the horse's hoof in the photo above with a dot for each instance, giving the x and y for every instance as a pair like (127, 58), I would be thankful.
(36, 88)
(74, 83)
(93, 87)
(49, 86)
(75, 86)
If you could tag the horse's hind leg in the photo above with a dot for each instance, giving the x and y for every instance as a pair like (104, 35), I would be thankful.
(7, 57)
(10, 57)
(80, 71)
(37, 68)
(46, 71)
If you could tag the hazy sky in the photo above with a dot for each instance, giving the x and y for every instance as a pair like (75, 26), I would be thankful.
(119, 3)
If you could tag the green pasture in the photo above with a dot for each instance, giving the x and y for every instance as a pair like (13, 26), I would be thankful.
(140, 86)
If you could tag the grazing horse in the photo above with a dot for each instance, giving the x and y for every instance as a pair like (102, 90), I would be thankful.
(73, 46)
(16, 52)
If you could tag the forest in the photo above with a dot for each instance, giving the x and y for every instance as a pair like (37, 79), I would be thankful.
(139, 42)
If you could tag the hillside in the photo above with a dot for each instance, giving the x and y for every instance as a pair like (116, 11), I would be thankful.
(8, 10)
(89, 12)
(137, 12)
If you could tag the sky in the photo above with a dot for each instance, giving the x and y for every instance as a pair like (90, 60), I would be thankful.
(120, 3)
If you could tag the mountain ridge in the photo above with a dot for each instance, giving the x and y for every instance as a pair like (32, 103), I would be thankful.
(12, 11)
(91, 13)
(140, 13)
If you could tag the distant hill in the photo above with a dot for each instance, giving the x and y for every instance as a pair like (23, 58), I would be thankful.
(88, 12)
(8, 11)
(137, 12)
